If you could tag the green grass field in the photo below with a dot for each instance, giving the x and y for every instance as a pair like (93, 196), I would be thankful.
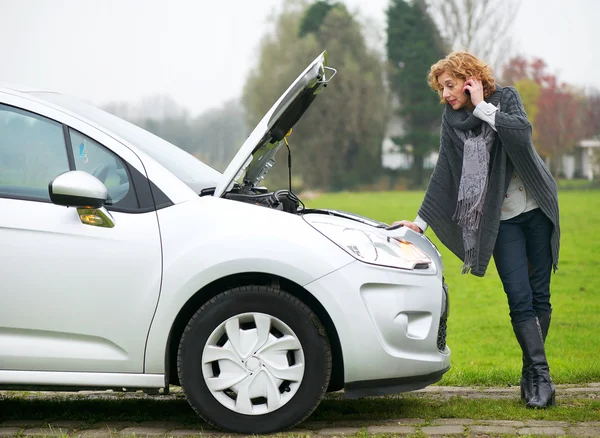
(484, 349)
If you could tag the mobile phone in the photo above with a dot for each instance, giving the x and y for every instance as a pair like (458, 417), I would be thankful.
(467, 92)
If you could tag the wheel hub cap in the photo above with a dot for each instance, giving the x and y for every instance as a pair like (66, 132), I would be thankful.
(253, 363)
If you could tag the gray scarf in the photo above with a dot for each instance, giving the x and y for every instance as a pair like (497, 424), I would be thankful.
(473, 187)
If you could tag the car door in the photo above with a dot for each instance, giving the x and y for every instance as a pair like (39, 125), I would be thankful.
(73, 296)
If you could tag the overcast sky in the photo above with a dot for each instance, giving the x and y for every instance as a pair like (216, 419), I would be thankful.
(200, 51)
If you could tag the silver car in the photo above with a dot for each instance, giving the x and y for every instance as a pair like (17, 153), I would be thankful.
(128, 264)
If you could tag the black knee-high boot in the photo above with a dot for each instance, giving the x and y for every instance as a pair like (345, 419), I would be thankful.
(529, 335)
(526, 380)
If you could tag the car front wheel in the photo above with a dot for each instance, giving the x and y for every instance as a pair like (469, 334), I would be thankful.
(254, 360)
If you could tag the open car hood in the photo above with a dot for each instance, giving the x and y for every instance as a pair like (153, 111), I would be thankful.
(257, 154)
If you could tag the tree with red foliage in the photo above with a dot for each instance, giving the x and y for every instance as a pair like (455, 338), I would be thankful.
(519, 68)
(558, 122)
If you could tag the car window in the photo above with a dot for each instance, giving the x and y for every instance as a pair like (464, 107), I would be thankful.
(32, 153)
(185, 166)
(95, 159)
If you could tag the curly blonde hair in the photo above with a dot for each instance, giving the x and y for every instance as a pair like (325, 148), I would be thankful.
(462, 65)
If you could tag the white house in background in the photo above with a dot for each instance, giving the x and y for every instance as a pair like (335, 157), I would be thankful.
(583, 161)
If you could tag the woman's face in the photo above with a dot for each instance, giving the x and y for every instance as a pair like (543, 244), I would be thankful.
(452, 91)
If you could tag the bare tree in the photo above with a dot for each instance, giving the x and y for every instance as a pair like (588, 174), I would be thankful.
(482, 27)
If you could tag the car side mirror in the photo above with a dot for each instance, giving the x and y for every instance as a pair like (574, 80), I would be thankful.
(77, 189)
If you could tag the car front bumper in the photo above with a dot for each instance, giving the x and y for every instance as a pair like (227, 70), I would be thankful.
(391, 324)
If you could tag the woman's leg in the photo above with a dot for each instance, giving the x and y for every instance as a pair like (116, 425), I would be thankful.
(510, 255)
(538, 231)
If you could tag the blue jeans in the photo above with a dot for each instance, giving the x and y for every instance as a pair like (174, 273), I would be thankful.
(523, 258)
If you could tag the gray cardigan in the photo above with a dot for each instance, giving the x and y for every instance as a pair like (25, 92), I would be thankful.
(513, 150)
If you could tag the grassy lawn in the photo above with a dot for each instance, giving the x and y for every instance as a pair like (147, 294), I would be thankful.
(484, 349)
(578, 184)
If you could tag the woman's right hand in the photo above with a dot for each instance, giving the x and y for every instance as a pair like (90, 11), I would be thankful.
(410, 225)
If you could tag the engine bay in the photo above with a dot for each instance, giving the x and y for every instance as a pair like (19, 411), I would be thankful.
(283, 199)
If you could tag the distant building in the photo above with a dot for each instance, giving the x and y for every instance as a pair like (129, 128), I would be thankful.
(583, 160)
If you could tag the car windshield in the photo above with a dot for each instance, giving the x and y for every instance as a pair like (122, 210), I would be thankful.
(185, 166)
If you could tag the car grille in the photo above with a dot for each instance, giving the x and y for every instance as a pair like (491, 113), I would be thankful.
(441, 337)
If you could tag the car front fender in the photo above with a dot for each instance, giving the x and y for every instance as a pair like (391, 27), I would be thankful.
(204, 242)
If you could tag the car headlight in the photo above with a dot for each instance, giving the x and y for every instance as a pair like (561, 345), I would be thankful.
(375, 248)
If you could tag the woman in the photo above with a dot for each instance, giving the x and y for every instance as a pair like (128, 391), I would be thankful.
(491, 193)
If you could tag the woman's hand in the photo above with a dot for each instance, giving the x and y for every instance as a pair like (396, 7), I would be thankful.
(410, 225)
(475, 87)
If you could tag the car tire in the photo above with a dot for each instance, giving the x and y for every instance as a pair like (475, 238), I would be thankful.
(254, 360)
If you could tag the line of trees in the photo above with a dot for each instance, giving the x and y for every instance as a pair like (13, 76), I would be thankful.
(338, 143)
